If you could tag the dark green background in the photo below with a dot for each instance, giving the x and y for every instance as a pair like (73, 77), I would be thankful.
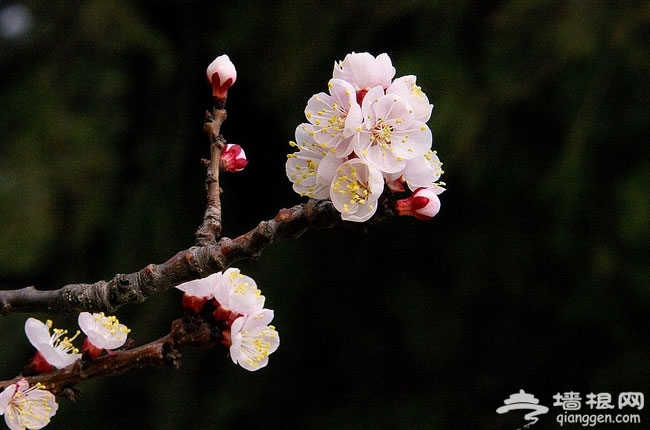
(535, 275)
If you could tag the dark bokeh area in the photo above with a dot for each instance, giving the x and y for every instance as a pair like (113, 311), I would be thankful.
(535, 275)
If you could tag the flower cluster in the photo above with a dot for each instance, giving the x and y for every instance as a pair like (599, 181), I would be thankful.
(368, 131)
(26, 407)
(239, 308)
(57, 350)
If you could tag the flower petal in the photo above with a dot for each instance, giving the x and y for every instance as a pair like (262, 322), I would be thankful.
(203, 287)
(37, 333)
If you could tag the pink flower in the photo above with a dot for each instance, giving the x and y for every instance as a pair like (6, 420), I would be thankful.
(423, 204)
(26, 407)
(313, 166)
(334, 116)
(408, 89)
(364, 72)
(390, 134)
(222, 75)
(233, 158)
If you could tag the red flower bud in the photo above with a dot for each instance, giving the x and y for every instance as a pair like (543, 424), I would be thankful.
(423, 204)
(233, 158)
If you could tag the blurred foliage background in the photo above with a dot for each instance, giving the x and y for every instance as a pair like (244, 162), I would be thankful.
(534, 276)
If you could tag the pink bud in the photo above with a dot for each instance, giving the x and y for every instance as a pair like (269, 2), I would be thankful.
(423, 204)
(222, 75)
(233, 158)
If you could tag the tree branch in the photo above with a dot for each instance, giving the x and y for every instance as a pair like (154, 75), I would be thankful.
(193, 263)
(210, 230)
(190, 331)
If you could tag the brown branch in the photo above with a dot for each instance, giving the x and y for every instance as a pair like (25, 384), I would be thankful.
(193, 263)
(210, 230)
(164, 352)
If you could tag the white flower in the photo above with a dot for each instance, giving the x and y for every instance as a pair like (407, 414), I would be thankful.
(356, 189)
(59, 352)
(407, 88)
(102, 331)
(221, 74)
(420, 172)
(302, 166)
(364, 71)
(238, 293)
(203, 288)
(198, 292)
(334, 116)
(253, 340)
(390, 134)
(312, 167)
(25, 407)
(240, 305)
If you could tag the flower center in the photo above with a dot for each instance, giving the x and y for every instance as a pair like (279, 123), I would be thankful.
(63, 344)
(243, 287)
(382, 132)
(31, 411)
(351, 187)
(111, 324)
(257, 348)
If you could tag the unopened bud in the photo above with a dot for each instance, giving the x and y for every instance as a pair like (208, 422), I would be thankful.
(233, 158)
(222, 75)
(423, 204)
